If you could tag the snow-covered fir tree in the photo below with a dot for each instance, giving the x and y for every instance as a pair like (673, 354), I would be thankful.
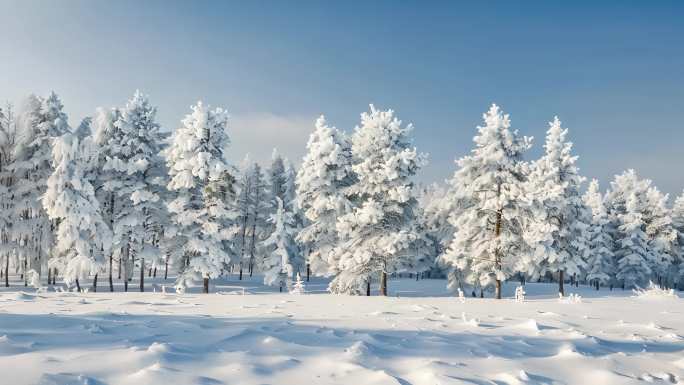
(280, 261)
(40, 121)
(198, 170)
(7, 195)
(244, 206)
(677, 214)
(321, 180)
(130, 140)
(377, 235)
(662, 236)
(626, 203)
(82, 237)
(559, 219)
(488, 243)
(260, 212)
(600, 268)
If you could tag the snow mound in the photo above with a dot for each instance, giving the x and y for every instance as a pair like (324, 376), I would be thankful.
(654, 292)
(23, 296)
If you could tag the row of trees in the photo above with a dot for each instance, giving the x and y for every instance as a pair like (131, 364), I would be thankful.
(118, 196)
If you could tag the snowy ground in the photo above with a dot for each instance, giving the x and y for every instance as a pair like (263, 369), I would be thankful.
(420, 335)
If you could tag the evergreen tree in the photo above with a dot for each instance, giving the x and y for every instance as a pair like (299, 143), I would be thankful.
(488, 243)
(41, 121)
(200, 179)
(378, 233)
(260, 209)
(279, 264)
(82, 236)
(678, 223)
(600, 263)
(321, 180)
(130, 145)
(560, 220)
(7, 195)
(627, 202)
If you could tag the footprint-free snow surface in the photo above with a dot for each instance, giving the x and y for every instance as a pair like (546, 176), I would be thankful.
(236, 336)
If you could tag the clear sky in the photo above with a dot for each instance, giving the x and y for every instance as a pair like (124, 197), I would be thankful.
(613, 71)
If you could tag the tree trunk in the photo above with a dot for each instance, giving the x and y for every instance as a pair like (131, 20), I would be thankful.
(78, 286)
(240, 271)
(142, 275)
(154, 273)
(149, 274)
(561, 289)
(54, 276)
(497, 252)
(166, 268)
(368, 287)
(481, 293)
(119, 269)
(205, 289)
(95, 283)
(111, 273)
(383, 283)
(49, 276)
(308, 271)
(7, 271)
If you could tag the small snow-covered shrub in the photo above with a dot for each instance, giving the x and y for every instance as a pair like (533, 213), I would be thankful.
(520, 294)
(654, 292)
(298, 286)
(461, 296)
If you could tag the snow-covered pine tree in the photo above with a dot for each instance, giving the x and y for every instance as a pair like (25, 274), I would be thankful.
(626, 202)
(278, 263)
(321, 180)
(677, 215)
(199, 177)
(559, 219)
(40, 121)
(106, 138)
(261, 208)
(488, 242)
(378, 233)
(243, 205)
(82, 236)
(634, 257)
(7, 196)
(662, 236)
(133, 164)
(601, 261)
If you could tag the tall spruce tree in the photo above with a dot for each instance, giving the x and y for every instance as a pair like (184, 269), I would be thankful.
(488, 242)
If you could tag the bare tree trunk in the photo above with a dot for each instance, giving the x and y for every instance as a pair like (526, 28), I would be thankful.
(368, 287)
(561, 289)
(497, 252)
(240, 270)
(111, 273)
(49, 276)
(205, 289)
(54, 276)
(7, 271)
(154, 273)
(166, 268)
(149, 274)
(78, 286)
(142, 275)
(95, 283)
(383, 283)
(308, 271)
(119, 269)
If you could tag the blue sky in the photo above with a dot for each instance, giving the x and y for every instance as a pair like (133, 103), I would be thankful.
(613, 71)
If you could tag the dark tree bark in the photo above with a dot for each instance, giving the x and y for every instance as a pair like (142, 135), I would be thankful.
(240, 271)
(111, 273)
(7, 271)
(49, 276)
(166, 268)
(142, 275)
(95, 283)
(368, 287)
(205, 289)
(561, 289)
(383, 283)
(308, 271)
(78, 286)
(497, 256)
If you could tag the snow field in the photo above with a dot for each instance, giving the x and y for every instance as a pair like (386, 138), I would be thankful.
(258, 338)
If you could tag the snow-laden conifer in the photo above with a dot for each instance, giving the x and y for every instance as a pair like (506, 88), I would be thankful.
(601, 261)
(488, 242)
(324, 174)
(200, 179)
(280, 261)
(82, 237)
(378, 233)
(559, 219)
